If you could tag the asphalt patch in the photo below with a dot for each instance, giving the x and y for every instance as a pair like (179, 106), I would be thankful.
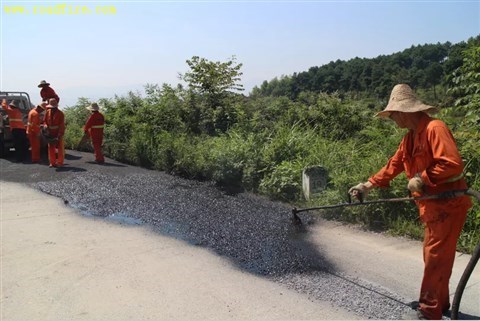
(255, 234)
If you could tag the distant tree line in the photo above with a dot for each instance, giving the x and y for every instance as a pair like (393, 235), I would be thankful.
(422, 66)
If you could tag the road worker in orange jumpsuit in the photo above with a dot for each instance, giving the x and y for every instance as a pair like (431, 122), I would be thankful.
(54, 122)
(34, 131)
(47, 92)
(94, 128)
(17, 128)
(430, 159)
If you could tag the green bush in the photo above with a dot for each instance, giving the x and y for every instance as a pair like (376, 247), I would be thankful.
(227, 159)
(284, 182)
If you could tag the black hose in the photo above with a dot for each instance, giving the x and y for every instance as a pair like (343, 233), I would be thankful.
(463, 282)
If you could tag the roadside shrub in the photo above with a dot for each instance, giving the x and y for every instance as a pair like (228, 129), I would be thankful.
(284, 182)
(163, 152)
(140, 146)
(75, 118)
(73, 135)
(226, 159)
(189, 154)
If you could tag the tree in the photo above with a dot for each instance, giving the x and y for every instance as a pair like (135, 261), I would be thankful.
(466, 81)
(433, 76)
(466, 89)
(214, 83)
(213, 78)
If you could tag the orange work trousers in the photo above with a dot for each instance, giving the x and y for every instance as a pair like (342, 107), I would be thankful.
(439, 247)
(54, 157)
(35, 147)
(97, 150)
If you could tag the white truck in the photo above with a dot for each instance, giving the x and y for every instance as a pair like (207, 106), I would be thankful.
(22, 101)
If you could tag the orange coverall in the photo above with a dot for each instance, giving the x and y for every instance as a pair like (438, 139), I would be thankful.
(431, 151)
(94, 128)
(55, 122)
(17, 128)
(33, 132)
(15, 117)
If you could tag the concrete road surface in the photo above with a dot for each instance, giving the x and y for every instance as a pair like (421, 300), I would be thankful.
(59, 265)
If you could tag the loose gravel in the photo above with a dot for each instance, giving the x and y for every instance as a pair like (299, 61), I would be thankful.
(255, 234)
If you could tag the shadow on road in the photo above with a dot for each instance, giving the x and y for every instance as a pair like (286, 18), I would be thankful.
(72, 157)
(465, 316)
(107, 164)
(67, 168)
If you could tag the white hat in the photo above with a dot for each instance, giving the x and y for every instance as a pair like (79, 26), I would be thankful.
(52, 103)
(43, 83)
(93, 107)
(42, 105)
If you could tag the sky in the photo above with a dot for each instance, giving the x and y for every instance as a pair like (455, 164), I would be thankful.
(99, 49)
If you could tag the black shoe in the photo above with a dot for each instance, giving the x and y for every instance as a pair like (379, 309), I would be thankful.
(414, 305)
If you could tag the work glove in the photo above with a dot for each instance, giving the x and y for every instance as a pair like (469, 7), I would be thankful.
(415, 184)
(360, 191)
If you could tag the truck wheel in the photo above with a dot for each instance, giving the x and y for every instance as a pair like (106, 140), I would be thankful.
(3, 151)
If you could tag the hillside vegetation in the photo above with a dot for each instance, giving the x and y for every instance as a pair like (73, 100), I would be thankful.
(261, 143)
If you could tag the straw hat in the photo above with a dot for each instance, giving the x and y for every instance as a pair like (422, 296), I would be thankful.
(52, 103)
(93, 107)
(403, 99)
(43, 83)
(12, 104)
(42, 105)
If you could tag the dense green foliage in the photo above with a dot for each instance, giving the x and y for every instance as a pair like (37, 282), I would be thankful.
(262, 142)
(421, 66)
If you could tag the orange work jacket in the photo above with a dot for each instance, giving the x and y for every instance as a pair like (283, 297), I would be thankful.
(55, 121)
(33, 125)
(15, 117)
(94, 126)
(430, 151)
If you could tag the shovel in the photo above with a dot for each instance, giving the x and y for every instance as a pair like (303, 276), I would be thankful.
(82, 141)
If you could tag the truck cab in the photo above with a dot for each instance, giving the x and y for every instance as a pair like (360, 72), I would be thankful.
(22, 101)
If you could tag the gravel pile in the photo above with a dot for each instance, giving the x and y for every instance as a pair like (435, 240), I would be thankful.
(255, 234)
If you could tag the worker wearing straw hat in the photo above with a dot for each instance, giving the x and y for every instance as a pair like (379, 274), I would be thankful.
(430, 159)
(55, 129)
(94, 128)
(47, 92)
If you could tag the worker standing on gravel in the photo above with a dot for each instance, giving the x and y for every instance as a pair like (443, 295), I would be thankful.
(94, 128)
(47, 92)
(54, 123)
(17, 128)
(430, 159)
(34, 132)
